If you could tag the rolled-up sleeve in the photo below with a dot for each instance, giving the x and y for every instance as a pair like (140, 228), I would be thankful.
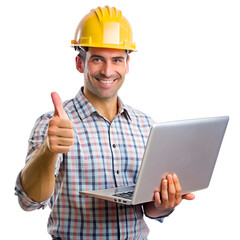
(25, 202)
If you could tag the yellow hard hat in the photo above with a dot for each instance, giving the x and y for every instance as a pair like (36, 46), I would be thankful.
(104, 28)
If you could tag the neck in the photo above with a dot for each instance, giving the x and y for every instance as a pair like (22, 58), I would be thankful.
(108, 108)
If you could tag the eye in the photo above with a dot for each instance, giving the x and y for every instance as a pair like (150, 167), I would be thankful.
(118, 60)
(97, 60)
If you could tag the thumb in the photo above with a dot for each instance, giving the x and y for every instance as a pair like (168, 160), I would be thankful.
(58, 106)
(188, 196)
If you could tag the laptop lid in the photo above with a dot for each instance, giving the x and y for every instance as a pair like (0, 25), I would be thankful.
(188, 148)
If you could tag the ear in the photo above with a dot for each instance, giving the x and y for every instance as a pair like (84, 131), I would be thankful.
(79, 64)
(127, 65)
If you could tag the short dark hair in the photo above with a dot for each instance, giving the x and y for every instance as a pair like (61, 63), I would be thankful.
(83, 50)
(82, 53)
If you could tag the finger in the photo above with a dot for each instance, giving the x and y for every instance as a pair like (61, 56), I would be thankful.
(171, 188)
(58, 123)
(65, 133)
(177, 187)
(65, 142)
(157, 200)
(58, 106)
(164, 191)
(60, 149)
(188, 196)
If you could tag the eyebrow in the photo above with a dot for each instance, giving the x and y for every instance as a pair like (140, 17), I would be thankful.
(99, 56)
(96, 56)
(120, 57)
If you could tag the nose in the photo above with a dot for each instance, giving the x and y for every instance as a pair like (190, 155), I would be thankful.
(107, 69)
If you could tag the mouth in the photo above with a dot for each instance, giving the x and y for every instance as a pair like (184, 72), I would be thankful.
(106, 81)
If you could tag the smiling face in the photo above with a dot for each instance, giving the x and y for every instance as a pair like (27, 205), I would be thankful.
(104, 72)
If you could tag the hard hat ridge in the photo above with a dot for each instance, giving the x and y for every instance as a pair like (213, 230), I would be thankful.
(107, 13)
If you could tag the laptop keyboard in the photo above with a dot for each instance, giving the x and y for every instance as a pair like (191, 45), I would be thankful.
(127, 195)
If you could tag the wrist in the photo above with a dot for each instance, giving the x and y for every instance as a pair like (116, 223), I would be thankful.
(43, 158)
(165, 213)
(152, 212)
(45, 152)
(161, 217)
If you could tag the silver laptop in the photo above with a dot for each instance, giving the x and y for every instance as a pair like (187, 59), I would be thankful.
(188, 148)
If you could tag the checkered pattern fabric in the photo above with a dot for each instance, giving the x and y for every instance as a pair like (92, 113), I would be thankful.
(104, 155)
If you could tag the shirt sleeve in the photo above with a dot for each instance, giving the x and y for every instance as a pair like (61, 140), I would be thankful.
(24, 201)
(35, 140)
(160, 219)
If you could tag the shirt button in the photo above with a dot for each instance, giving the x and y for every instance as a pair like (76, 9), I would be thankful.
(114, 145)
(118, 171)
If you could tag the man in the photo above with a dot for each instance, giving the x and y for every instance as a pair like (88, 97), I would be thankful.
(93, 141)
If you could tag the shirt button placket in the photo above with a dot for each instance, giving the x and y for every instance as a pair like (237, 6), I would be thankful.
(115, 152)
(114, 146)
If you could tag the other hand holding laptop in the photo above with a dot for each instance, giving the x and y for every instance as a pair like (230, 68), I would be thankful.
(167, 199)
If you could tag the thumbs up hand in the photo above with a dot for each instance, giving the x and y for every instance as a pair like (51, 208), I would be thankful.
(60, 135)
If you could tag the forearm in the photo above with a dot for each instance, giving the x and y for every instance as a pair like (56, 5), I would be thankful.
(38, 175)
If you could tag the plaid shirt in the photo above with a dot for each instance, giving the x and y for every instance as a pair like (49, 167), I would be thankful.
(104, 155)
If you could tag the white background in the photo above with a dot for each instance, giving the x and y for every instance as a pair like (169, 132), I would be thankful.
(187, 66)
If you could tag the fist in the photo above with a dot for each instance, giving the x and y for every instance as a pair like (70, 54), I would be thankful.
(60, 134)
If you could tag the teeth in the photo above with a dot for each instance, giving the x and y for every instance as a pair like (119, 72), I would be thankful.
(105, 81)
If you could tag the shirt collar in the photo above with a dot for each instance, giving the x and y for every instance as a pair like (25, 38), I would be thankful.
(123, 109)
(86, 109)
